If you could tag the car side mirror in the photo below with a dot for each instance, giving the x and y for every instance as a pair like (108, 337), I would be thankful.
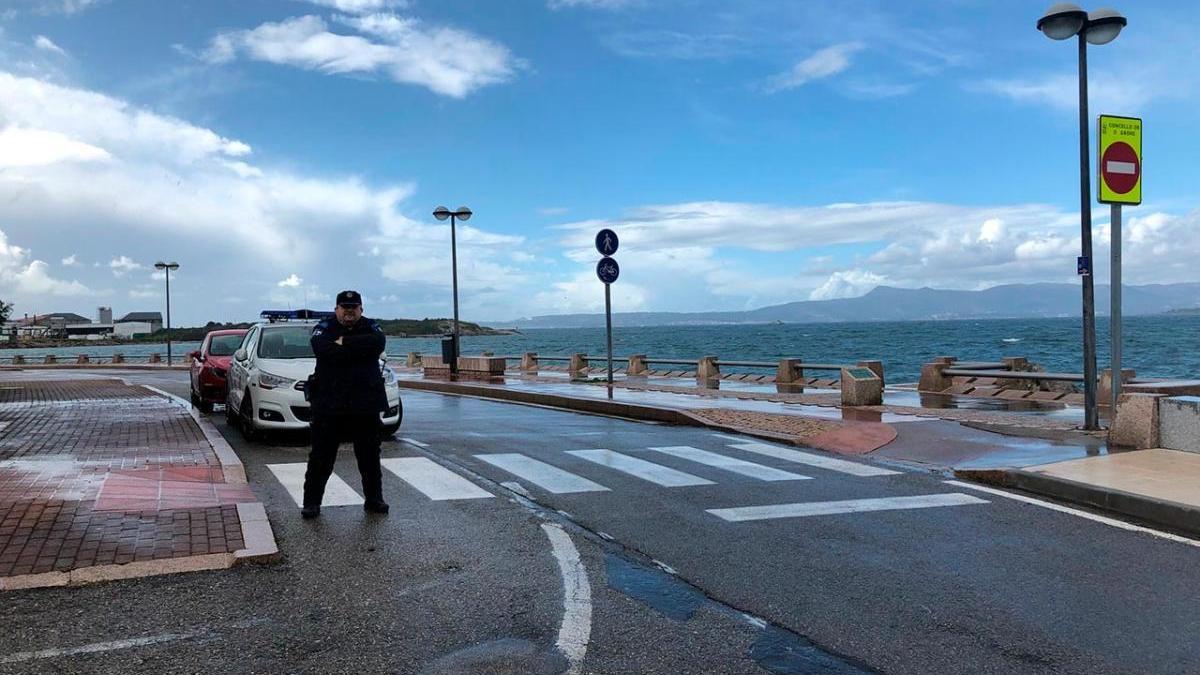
(197, 355)
(240, 355)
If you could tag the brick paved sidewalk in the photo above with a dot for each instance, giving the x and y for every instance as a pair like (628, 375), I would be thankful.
(98, 472)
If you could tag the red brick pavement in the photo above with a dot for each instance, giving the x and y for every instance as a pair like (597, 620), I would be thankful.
(97, 472)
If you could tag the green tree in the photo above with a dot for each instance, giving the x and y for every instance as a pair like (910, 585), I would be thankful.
(5, 310)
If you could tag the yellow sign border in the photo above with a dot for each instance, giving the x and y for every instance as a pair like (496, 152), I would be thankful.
(1113, 129)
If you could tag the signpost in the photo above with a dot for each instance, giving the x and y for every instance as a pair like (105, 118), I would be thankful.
(1120, 177)
(608, 270)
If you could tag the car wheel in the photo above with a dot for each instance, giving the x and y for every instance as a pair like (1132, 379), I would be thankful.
(388, 430)
(246, 419)
(195, 399)
(231, 417)
(205, 406)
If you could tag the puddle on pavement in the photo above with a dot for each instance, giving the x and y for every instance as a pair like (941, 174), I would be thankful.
(784, 652)
(776, 650)
(665, 593)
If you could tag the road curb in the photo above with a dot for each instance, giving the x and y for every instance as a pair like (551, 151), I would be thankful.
(1172, 515)
(100, 573)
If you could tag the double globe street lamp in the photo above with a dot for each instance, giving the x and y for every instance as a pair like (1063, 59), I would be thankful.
(1062, 22)
(464, 214)
(167, 267)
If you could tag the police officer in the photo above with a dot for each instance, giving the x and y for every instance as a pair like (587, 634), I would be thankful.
(347, 394)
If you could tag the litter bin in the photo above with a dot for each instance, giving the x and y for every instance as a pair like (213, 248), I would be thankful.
(450, 352)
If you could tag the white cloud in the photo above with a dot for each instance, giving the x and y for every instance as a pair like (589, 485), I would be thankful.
(44, 43)
(23, 278)
(1127, 94)
(822, 64)
(124, 265)
(36, 147)
(70, 261)
(447, 61)
(848, 284)
(590, 4)
(361, 6)
(292, 281)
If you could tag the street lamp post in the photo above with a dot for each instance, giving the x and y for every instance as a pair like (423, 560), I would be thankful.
(1061, 22)
(464, 214)
(167, 267)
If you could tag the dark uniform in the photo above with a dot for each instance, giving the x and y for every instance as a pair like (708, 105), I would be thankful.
(347, 395)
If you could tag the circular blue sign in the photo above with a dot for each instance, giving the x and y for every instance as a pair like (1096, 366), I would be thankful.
(607, 242)
(608, 270)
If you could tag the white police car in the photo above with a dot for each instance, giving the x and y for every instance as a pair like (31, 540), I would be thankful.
(268, 373)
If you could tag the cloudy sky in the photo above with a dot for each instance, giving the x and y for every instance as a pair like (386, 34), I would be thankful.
(747, 153)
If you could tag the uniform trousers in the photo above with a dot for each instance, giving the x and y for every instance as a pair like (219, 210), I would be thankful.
(328, 432)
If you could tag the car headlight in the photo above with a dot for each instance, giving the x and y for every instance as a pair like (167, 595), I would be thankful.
(271, 381)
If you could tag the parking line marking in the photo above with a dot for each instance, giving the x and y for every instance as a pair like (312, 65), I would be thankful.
(412, 441)
(432, 479)
(819, 461)
(337, 492)
(549, 478)
(739, 466)
(640, 468)
(1113, 522)
(805, 509)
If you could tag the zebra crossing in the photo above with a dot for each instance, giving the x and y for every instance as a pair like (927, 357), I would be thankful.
(438, 483)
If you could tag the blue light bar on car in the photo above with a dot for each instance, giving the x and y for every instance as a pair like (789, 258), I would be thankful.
(294, 314)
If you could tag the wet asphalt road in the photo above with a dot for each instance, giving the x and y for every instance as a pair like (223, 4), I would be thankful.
(471, 586)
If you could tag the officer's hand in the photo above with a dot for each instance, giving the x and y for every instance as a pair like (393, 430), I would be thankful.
(337, 341)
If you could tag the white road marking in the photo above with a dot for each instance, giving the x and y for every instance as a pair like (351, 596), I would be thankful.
(1122, 167)
(337, 492)
(805, 509)
(640, 468)
(735, 439)
(576, 627)
(432, 479)
(819, 461)
(549, 478)
(1076, 512)
(100, 647)
(413, 441)
(739, 466)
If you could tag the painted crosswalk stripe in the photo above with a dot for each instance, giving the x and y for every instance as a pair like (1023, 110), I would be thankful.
(739, 466)
(805, 509)
(549, 478)
(811, 459)
(337, 492)
(432, 479)
(640, 468)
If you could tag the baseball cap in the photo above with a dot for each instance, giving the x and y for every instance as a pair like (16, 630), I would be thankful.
(349, 298)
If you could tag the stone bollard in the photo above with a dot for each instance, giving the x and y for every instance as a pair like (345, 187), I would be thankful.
(18, 360)
(1016, 363)
(155, 358)
(82, 358)
(529, 363)
(933, 380)
(790, 371)
(578, 369)
(1104, 395)
(118, 358)
(945, 359)
(1135, 423)
(637, 365)
(413, 360)
(708, 369)
(50, 358)
(861, 386)
(875, 367)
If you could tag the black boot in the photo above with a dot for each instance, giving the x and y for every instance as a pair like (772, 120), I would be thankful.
(375, 506)
(309, 511)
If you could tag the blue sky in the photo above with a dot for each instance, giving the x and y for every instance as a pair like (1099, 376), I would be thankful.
(748, 153)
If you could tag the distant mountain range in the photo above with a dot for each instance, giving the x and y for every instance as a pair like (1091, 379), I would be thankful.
(885, 303)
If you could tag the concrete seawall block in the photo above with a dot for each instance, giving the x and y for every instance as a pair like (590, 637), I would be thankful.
(1179, 423)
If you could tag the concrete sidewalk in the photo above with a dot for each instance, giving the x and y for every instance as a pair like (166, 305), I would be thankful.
(1038, 451)
(101, 480)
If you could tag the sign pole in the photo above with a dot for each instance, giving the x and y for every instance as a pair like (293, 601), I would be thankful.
(1115, 313)
(1090, 416)
(608, 326)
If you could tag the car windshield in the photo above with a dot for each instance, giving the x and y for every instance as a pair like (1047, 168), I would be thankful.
(290, 342)
(224, 345)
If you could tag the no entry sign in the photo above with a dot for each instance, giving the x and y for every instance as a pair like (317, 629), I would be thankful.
(1120, 160)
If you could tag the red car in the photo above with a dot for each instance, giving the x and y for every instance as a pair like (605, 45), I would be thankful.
(210, 366)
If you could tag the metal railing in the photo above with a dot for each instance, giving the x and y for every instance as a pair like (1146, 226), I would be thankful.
(1012, 374)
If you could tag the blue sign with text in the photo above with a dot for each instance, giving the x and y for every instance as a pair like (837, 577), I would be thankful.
(608, 270)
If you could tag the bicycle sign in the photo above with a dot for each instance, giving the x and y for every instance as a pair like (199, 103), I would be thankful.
(608, 270)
